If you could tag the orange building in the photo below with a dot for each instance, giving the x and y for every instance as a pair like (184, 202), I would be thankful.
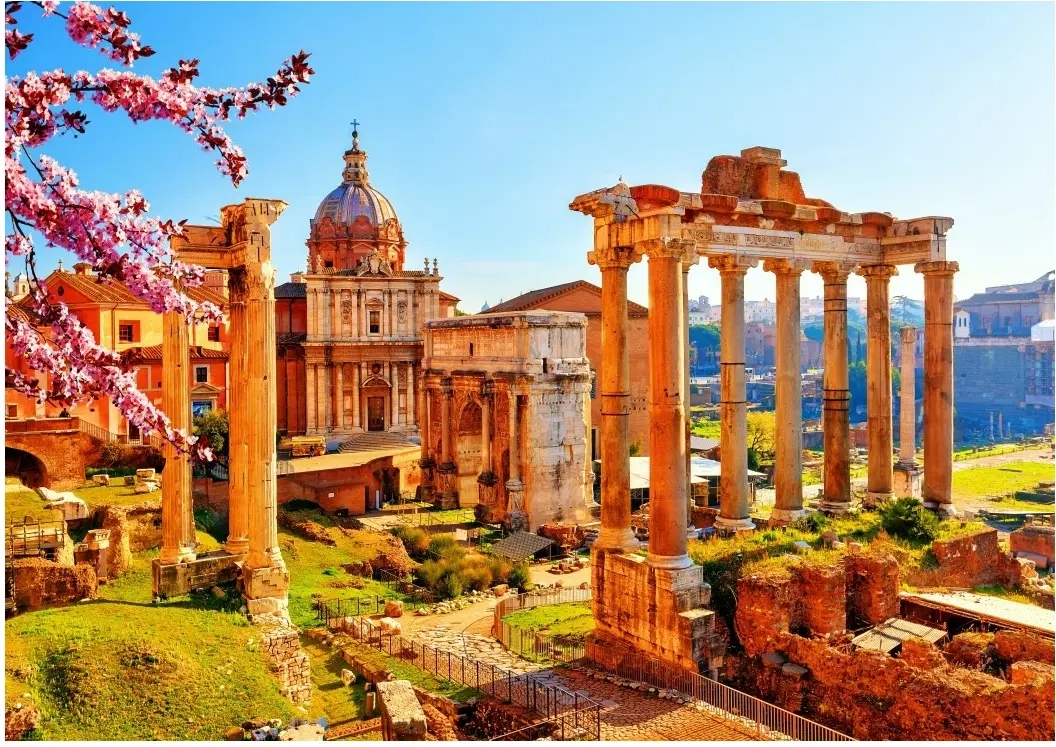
(585, 298)
(123, 322)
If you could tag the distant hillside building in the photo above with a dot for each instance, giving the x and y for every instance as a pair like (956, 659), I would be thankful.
(1003, 357)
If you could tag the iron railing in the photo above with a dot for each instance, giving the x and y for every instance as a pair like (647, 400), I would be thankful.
(335, 609)
(31, 537)
(550, 702)
(529, 643)
(765, 718)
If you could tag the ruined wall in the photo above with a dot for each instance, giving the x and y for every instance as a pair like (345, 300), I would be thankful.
(877, 697)
(132, 529)
(972, 560)
(1037, 543)
(289, 663)
(873, 583)
(40, 583)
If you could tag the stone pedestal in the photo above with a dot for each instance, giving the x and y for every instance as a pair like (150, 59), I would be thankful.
(446, 495)
(266, 590)
(516, 518)
(487, 510)
(907, 480)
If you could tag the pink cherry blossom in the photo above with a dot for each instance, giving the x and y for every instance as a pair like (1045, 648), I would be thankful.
(111, 232)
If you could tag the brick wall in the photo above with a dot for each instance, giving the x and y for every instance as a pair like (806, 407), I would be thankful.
(972, 560)
(289, 663)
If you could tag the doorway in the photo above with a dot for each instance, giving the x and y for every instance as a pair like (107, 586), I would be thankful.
(375, 413)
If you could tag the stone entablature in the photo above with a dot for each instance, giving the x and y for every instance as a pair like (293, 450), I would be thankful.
(507, 384)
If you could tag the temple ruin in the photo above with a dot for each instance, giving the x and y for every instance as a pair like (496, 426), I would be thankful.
(748, 211)
(242, 247)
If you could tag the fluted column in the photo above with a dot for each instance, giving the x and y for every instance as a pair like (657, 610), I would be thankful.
(614, 390)
(331, 299)
(881, 437)
(177, 521)
(328, 396)
(907, 436)
(410, 395)
(667, 430)
(689, 259)
(733, 413)
(938, 384)
(237, 450)
(311, 398)
(788, 453)
(339, 397)
(835, 416)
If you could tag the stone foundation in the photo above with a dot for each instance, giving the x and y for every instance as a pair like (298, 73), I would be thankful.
(205, 571)
(1037, 543)
(972, 560)
(288, 662)
(907, 480)
(657, 612)
(873, 584)
(42, 583)
(266, 590)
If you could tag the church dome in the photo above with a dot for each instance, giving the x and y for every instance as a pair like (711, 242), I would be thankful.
(354, 196)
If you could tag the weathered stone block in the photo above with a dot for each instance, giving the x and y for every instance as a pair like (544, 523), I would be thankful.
(205, 571)
(393, 608)
(402, 716)
(348, 677)
(794, 671)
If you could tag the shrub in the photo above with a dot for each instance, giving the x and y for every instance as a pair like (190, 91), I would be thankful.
(113, 453)
(414, 540)
(814, 522)
(450, 586)
(519, 576)
(441, 544)
(299, 504)
(907, 519)
(211, 523)
(429, 573)
(500, 569)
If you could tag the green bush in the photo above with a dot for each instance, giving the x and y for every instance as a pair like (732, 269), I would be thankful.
(813, 522)
(906, 518)
(415, 541)
(451, 586)
(519, 576)
(91, 472)
(441, 544)
(429, 573)
(476, 573)
(500, 569)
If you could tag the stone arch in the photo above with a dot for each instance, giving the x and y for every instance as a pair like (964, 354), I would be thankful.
(28, 467)
(469, 451)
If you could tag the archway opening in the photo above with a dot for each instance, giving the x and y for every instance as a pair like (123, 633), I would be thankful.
(28, 468)
(468, 453)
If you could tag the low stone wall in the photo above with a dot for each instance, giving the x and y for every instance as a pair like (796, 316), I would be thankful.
(42, 583)
(873, 584)
(1013, 646)
(972, 560)
(289, 663)
(877, 697)
(1037, 543)
(132, 529)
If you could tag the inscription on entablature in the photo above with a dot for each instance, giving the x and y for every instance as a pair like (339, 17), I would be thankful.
(774, 242)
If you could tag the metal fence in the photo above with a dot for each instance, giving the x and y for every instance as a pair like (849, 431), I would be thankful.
(531, 644)
(551, 702)
(335, 609)
(767, 719)
(31, 537)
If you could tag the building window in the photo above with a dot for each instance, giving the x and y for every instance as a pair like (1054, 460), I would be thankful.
(329, 265)
(199, 408)
(201, 374)
(214, 334)
(471, 349)
(375, 322)
(12, 411)
(125, 333)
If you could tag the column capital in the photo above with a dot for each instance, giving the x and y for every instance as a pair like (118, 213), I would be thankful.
(878, 272)
(732, 263)
(670, 248)
(689, 256)
(834, 271)
(936, 268)
(786, 266)
(615, 257)
(908, 335)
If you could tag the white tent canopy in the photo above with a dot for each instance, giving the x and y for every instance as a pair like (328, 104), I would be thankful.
(702, 470)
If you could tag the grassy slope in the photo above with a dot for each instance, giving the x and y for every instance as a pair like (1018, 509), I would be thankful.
(573, 619)
(115, 494)
(25, 502)
(978, 482)
(120, 667)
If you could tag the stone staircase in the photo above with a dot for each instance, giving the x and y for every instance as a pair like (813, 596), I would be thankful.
(376, 441)
(590, 536)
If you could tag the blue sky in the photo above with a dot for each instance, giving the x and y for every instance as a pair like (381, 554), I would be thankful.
(482, 121)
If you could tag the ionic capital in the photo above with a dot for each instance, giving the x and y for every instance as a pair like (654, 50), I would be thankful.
(936, 268)
(669, 248)
(737, 264)
(615, 257)
(786, 266)
(908, 335)
(879, 272)
(834, 272)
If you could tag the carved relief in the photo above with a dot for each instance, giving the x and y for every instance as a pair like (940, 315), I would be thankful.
(401, 312)
(347, 310)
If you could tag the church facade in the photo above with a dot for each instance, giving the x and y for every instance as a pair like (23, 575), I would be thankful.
(350, 328)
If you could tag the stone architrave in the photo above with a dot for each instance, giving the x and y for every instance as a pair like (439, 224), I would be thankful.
(788, 454)
(614, 389)
(667, 430)
(733, 476)
(907, 471)
(880, 486)
(937, 488)
(836, 495)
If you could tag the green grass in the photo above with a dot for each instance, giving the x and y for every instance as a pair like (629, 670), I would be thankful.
(402, 670)
(121, 668)
(573, 620)
(330, 696)
(980, 482)
(115, 494)
(25, 502)
(1003, 593)
(707, 428)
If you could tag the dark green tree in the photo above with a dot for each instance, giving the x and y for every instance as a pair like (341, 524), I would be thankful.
(212, 426)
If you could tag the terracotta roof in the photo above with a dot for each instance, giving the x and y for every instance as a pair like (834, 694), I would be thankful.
(153, 353)
(291, 290)
(111, 291)
(1006, 297)
(22, 310)
(536, 299)
(449, 297)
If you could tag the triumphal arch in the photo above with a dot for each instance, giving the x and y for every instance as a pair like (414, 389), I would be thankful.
(241, 246)
(749, 211)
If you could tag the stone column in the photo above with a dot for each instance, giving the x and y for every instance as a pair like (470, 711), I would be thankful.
(835, 417)
(938, 384)
(667, 429)
(614, 389)
(310, 397)
(410, 395)
(788, 454)
(689, 259)
(328, 396)
(394, 377)
(177, 520)
(355, 395)
(733, 477)
(445, 423)
(516, 518)
(907, 471)
(339, 398)
(485, 432)
(881, 444)
(331, 298)
(237, 450)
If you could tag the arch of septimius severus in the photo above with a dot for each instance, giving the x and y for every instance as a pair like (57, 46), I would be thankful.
(748, 212)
